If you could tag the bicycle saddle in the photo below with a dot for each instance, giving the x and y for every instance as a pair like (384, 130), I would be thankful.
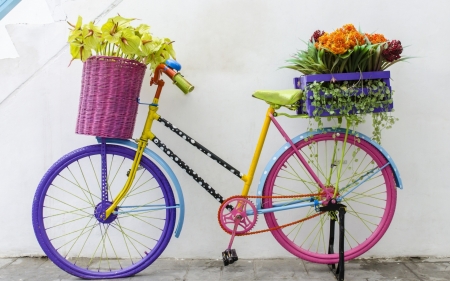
(279, 97)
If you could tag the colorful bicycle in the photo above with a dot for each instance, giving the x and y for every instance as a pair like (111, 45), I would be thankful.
(108, 210)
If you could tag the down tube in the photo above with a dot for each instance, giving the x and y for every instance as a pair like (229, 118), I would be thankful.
(169, 172)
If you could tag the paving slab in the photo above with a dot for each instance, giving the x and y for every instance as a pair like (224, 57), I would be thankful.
(238, 271)
(430, 270)
(204, 270)
(280, 269)
(22, 269)
(385, 270)
(165, 269)
(5, 262)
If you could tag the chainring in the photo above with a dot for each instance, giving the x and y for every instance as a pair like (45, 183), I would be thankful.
(240, 206)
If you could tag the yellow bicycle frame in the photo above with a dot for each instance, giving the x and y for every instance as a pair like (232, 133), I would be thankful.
(148, 135)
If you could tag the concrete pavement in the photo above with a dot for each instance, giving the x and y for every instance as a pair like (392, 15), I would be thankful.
(243, 270)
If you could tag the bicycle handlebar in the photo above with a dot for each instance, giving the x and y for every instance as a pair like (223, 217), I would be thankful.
(182, 83)
(176, 77)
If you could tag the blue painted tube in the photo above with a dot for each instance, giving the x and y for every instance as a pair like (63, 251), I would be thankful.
(145, 208)
(282, 208)
(362, 181)
(6, 6)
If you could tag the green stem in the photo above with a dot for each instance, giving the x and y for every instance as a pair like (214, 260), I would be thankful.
(342, 159)
(332, 161)
(334, 154)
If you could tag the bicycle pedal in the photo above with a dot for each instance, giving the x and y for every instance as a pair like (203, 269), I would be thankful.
(234, 255)
(229, 256)
(225, 255)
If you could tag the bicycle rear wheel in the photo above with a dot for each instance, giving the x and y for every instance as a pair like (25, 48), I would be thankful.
(370, 206)
(65, 222)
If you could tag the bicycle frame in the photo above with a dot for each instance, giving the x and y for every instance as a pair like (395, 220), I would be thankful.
(147, 135)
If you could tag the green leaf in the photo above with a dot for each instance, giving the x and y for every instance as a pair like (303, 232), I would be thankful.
(142, 29)
(80, 51)
(91, 36)
(129, 42)
(79, 23)
(121, 21)
(169, 48)
(110, 32)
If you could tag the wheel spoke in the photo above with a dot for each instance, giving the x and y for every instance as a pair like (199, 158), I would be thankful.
(82, 189)
(89, 230)
(63, 212)
(63, 190)
(87, 186)
(88, 227)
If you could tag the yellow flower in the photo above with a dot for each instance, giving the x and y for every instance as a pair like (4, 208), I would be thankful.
(129, 42)
(92, 36)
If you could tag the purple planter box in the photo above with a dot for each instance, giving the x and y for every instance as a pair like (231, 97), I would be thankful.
(302, 81)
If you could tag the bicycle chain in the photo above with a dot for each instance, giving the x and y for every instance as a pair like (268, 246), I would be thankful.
(273, 228)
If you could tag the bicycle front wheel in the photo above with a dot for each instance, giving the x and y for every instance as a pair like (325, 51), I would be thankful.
(366, 186)
(65, 211)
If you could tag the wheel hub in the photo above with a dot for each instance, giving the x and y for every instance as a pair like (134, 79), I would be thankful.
(328, 194)
(100, 211)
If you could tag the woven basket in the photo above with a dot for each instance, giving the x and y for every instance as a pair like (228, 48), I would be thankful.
(109, 89)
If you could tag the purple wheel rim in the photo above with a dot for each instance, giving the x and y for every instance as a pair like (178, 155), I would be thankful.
(57, 258)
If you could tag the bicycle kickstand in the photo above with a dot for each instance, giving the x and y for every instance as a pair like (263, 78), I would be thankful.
(338, 271)
(229, 256)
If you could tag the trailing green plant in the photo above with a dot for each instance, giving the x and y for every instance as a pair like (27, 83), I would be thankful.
(118, 38)
(352, 101)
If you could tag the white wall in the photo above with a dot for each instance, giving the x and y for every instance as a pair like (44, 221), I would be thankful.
(27, 11)
(228, 49)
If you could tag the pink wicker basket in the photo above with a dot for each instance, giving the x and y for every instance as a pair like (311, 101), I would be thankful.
(109, 89)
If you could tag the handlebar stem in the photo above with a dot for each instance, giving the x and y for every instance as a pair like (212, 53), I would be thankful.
(156, 79)
(157, 75)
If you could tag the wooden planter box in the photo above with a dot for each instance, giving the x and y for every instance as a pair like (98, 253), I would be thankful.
(308, 108)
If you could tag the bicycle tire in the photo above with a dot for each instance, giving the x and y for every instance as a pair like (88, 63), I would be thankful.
(68, 231)
(370, 207)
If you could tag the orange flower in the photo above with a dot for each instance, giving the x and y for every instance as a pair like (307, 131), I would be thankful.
(376, 38)
(349, 28)
(341, 40)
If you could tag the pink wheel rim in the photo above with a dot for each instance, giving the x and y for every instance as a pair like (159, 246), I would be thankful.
(365, 245)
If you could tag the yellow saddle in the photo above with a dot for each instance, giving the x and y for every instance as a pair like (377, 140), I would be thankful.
(279, 97)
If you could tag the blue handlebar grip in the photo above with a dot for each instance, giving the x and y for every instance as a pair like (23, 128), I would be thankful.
(173, 64)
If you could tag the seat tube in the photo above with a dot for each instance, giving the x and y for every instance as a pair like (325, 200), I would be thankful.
(262, 137)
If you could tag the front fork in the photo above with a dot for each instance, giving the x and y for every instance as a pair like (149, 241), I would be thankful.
(142, 144)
